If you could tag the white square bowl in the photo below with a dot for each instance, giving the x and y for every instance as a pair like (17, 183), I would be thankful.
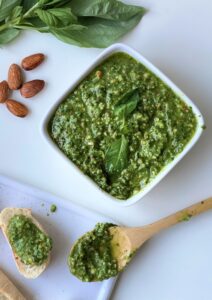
(104, 55)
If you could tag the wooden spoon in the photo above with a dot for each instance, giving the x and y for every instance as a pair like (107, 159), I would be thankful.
(126, 241)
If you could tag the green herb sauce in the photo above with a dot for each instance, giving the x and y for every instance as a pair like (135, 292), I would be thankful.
(30, 244)
(53, 208)
(123, 127)
(91, 257)
(185, 217)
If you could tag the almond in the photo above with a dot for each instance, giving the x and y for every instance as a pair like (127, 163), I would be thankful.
(33, 61)
(4, 91)
(31, 88)
(17, 108)
(15, 79)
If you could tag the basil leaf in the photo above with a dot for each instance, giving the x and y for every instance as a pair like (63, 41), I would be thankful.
(48, 18)
(8, 35)
(106, 9)
(27, 4)
(6, 7)
(65, 15)
(16, 12)
(57, 16)
(98, 33)
(67, 33)
(56, 3)
(116, 157)
(36, 23)
(33, 23)
(127, 104)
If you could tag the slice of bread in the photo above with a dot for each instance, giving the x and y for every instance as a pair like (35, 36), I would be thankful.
(27, 271)
(8, 291)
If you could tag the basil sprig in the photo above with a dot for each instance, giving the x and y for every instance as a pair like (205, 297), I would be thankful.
(116, 157)
(90, 23)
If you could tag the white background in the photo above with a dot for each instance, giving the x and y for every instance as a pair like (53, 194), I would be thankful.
(176, 36)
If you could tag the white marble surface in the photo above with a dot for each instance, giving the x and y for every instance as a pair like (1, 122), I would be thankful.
(176, 36)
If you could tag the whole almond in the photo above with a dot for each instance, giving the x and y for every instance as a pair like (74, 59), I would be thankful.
(4, 91)
(33, 61)
(15, 78)
(31, 88)
(17, 108)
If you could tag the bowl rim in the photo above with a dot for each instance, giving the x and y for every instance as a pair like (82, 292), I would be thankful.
(119, 47)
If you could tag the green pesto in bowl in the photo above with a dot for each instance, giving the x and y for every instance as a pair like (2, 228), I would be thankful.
(122, 125)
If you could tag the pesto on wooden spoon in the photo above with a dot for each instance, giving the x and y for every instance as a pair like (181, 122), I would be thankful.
(105, 251)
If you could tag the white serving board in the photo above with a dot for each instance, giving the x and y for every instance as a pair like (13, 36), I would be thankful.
(65, 226)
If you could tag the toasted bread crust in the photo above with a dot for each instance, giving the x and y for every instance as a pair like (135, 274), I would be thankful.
(27, 271)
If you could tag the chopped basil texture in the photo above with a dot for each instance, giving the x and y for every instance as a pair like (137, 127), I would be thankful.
(123, 127)
(30, 244)
(91, 257)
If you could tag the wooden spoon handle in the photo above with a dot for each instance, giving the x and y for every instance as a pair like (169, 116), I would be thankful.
(182, 215)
